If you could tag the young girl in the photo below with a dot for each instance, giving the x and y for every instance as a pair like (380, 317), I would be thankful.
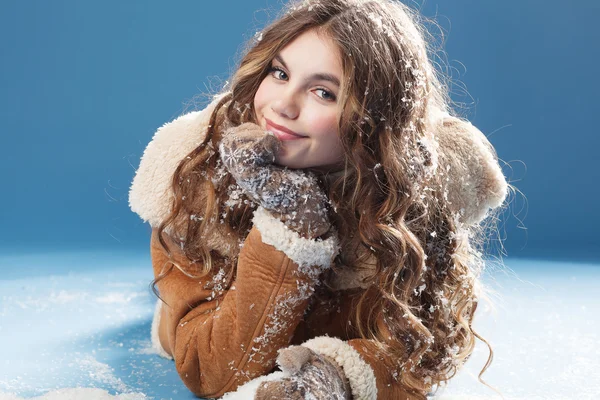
(320, 216)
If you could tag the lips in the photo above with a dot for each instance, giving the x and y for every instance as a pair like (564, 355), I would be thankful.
(282, 132)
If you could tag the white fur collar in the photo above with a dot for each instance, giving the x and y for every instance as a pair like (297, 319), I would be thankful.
(150, 193)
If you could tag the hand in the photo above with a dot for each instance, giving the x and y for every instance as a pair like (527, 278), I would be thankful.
(293, 196)
(313, 376)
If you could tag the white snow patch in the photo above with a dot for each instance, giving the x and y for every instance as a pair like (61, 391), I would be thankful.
(78, 394)
(65, 297)
(43, 302)
(117, 298)
(101, 373)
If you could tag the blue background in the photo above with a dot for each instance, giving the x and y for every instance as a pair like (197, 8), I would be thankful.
(86, 84)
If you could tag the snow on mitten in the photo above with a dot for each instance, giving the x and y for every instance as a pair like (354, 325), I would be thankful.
(293, 196)
(312, 376)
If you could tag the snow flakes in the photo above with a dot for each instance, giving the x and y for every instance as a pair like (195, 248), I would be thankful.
(305, 4)
(278, 318)
(442, 299)
(376, 19)
(419, 290)
(453, 350)
(219, 173)
(381, 27)
(235, 196)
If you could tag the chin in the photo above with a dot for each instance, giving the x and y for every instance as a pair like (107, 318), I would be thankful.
(291, 165)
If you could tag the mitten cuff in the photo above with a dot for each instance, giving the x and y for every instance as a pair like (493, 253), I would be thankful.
(305, 252)
(156, 346)
(359, 373)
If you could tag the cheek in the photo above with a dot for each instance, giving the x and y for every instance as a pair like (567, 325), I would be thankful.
(260, 97)
(325, 126)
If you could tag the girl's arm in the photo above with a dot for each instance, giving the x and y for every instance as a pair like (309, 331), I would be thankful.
(220, 343)
(363, 366)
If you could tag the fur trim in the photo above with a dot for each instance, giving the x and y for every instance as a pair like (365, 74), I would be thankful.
(359, 372)
(150, 193)
(248, 390)
(304, 252)
(476, 183)
(156, 346)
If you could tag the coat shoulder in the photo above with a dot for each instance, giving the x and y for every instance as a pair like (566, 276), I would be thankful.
(150, 194)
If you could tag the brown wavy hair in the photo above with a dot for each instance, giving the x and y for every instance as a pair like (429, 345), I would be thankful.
(426, 286)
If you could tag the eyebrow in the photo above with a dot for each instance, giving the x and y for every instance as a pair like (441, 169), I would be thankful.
(319, 76)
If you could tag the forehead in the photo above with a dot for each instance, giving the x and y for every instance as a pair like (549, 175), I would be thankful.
(313, 52)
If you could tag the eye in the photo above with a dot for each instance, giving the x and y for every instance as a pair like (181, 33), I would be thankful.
(276, 69)
(327, 95)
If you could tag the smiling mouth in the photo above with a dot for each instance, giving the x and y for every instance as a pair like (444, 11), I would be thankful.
(281, 132)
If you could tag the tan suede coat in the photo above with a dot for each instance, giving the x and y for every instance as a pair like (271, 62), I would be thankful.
(221, 343)
(221, 338)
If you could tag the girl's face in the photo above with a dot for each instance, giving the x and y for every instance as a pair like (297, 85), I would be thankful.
(297, 101)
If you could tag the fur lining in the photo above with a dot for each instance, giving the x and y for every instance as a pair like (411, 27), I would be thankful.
(248, 390)
(304, 252)
(475, 179)
(359, 372)
(150, 193)
(154, 332)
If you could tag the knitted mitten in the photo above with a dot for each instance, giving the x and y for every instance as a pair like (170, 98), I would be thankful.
(293, 196)
(312, 376)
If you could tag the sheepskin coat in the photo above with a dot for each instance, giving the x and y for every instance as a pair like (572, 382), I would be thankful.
(221, 338)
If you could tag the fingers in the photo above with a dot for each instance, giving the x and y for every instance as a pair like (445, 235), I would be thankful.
(268, 391)
(284, 389)
(294, 196)
(291, 359)
(249, 144)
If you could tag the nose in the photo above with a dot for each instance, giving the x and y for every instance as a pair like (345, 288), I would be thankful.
(286, 106)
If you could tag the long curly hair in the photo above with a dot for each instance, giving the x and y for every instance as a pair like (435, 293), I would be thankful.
(391, 202)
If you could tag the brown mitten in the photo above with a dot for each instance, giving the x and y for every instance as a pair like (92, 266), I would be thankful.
(293, 196)
(312, 376)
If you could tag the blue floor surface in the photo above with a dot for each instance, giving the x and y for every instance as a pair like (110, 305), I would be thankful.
(83, 320)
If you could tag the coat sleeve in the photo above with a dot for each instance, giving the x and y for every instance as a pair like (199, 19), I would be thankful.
(220, 343)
